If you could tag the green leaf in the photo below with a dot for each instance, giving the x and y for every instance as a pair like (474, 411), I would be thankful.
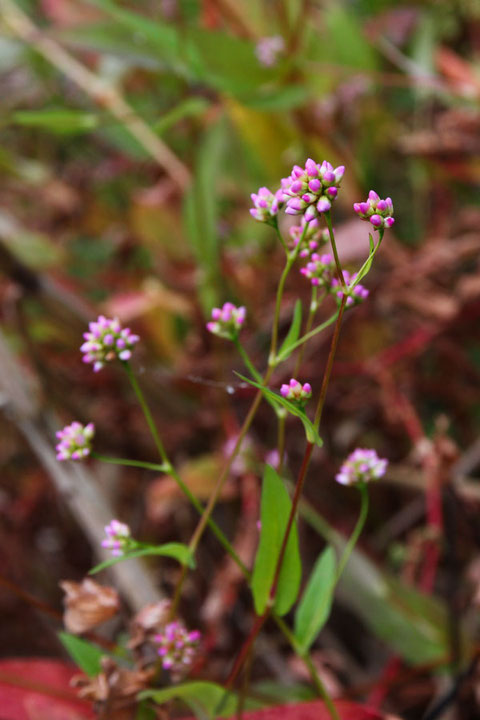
(191, 107)
(178, 551)
(347, 44)
(310, 430)
(203, 698)
(413, 625)
(314, 607)
(61, 121)
(277, 99)
(275, 511)
(86, 655)
(294, 331)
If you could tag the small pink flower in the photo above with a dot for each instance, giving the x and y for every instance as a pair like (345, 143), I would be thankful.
(312, 189)
(361, 466)
(227, 321)
(105, 341)
(375, 210)
(178, 648)
(75, 441)
(355, 296)
(296, 392)
(118, 538)
(268, 49)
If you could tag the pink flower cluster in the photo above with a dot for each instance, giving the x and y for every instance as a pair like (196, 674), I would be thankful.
(319, 270)
(377, 211)
(266, 204)
(227, 321)
(106, 341)
(296, 392)
(311, 235)
(119, 538)
(75, 441)
(361, 466)
(311, 190)
(268, 49)
(356, 295)
(177, 648)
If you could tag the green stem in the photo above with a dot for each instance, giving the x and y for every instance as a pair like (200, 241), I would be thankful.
(248, 363)
(309, 335)
(308, 326)
(132, 463)
(356, 532)
(280, 236)
(146, 411)
(331, 358)
(291, 257)
(328, 220)
(368, 261)
(281, 421)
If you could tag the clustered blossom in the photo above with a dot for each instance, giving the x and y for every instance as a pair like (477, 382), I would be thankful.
(178, 648)
(312, 189)
(311, 236)
(356, 295)
(266, 204)
(319, 270)
(361, 466)
(75, 441)
(119, 538)
(296, 392)
(268, 50)
(106, 341)
(377, 211)
(227, 321)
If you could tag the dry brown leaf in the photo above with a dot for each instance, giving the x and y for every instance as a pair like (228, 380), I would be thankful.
(87, 604)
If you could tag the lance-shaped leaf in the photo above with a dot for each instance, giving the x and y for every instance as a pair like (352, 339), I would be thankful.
(174, 550)
(84, 654)
(314, 607)
(311, 431)
(275, 511)
(293, 333)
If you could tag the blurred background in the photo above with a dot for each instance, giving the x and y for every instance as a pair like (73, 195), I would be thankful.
(132, 134)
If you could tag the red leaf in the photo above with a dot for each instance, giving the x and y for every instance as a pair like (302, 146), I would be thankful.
(38, 689)
(314, 711)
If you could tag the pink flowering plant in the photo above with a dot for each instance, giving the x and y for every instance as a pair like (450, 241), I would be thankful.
(308, 194)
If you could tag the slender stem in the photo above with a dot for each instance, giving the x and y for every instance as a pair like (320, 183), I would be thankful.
(280, 236)
(331, 358)
(188, 494)
(132, 463)
(146, 412)
(368, 261)
(341, 279)
(291, 257)
(356, 532)
(281, 421)
(308, 326)
(248, 363)
(309, 335)
(261, 619)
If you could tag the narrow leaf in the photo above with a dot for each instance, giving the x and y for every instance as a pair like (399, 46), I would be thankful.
(203, 698)
(84, 654)
(61, 121)
(275, 510)
(314, 607)
(294, 331)
(310, 430)
(178, 551)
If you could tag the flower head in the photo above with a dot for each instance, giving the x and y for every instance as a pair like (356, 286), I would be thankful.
(296, 392)
(319, 270)
(106, 341)
(177, 648)
(311, 235)
(268, 49)
(311, 190)
(119, 538)
(356, 295)
(361, 466)
(227, 321)
(377, 211)
(75, 441)
(266, 204)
